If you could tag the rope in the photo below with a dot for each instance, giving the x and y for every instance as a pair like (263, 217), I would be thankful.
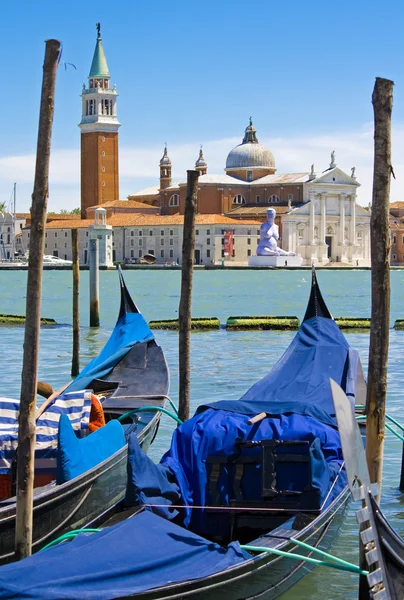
(235, 508)
(389, 427)
(150, 409)
(312, 549)
(332, 487)
(173, 406)
(70, 535)
(395, 422)
(314, 561)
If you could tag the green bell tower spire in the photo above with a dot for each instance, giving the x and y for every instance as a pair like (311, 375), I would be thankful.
(99, 67)
(99, 134)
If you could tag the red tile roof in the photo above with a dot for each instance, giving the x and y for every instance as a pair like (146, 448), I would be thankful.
(123, 204)
(141, 220)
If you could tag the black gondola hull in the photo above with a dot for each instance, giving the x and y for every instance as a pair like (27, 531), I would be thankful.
(267, 576)
(139, 379)
(58, 509)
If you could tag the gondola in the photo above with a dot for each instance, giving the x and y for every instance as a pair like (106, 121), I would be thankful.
(266, 469)
(384, 548)
(130, 373)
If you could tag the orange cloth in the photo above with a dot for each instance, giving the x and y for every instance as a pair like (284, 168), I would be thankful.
(6, 483)
(97, 418)
(5, 486)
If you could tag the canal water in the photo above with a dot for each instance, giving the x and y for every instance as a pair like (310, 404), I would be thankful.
(224, 364)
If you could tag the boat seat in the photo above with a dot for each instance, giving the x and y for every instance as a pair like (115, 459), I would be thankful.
(276, 473)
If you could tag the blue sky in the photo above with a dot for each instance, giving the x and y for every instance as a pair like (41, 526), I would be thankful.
(192, 73)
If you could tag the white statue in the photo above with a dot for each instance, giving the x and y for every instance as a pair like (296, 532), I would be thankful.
(269, 235)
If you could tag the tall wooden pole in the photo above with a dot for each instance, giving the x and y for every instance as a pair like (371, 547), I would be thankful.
(94, 284)
(76, 307)
(26, 421)
(382, 99)
(184, 312)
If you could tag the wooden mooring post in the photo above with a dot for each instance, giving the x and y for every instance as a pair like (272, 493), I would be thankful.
(382, 99)
(184, 311)
(76, 306)
(94, 284)
(26, 420)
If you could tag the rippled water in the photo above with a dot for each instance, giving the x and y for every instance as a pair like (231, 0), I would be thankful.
(224, 364)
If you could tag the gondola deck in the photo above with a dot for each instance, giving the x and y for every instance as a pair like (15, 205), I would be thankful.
(131, 372)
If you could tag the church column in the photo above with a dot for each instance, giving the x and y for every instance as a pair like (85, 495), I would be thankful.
(322, 221)
(312, 220)
(352, 231)
(342, 218)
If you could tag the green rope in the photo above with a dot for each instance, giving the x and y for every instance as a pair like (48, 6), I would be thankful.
(173, 406)
(70, 535)
(150, 409)
(342, 567)
(389, 427)
(395, 422)
(340, 561)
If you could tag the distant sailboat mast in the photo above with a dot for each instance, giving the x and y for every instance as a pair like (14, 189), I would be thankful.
(14, 219)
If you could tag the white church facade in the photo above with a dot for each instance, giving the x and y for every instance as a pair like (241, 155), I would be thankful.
(330, 227)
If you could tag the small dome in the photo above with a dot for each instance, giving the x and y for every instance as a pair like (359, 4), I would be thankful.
(250, 153)
(165, 161)
(201, 162)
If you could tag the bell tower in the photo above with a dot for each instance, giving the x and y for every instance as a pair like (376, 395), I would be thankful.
(99, 134)
(165, 170)
(201, 165)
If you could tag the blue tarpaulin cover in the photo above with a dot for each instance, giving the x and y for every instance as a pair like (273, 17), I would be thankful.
(213, 433)
(139, 554)
(296, 393)
(299, 382)
(129, 329)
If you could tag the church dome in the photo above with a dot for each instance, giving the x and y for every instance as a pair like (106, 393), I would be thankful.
(250, 154)
(165, 160)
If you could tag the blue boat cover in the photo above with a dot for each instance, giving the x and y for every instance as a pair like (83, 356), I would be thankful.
(130, 329)
(183, 477)
(299, 382)
(297, 396)
(136, 555)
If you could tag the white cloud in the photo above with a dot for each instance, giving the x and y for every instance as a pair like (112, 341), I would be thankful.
(139, 166)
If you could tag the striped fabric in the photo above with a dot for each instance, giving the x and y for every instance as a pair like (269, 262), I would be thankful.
(76, 405)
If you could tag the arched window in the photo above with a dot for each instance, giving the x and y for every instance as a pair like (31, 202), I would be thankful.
(239, 199)
(274, 198)
(174, 200)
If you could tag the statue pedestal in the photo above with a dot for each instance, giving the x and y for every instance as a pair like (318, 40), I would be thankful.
(275, 261)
